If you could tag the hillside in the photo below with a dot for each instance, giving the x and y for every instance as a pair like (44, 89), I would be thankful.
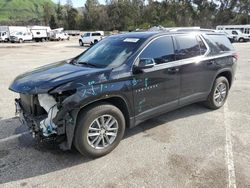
(21, 11)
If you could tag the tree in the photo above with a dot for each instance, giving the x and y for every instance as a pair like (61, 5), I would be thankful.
(52, 22)
(47, 12)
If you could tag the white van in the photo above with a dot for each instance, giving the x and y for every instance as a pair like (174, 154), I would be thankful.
(59, 36)
(21, 37)
(238, 35)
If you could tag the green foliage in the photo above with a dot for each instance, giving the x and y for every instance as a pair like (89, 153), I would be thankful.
(126, 14)
(22, 11)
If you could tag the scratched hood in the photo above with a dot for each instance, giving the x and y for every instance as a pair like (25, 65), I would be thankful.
(43, 79)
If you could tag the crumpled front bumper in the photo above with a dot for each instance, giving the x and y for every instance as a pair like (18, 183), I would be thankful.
(65, 125)
(29, 120)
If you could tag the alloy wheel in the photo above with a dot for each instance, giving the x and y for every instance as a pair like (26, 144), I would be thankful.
(102, 132)
(220, 93)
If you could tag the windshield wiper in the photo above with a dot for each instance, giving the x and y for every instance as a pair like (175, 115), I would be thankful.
(88, 64)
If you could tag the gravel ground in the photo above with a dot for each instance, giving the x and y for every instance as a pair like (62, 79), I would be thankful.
(189, 147)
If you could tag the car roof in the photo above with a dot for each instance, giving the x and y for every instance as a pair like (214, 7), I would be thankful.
(149, 34)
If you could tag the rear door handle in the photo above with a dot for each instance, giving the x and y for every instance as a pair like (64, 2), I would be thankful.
(173, 70)
(211, 62)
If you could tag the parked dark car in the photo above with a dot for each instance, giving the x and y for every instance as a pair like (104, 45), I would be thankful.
(122, 81)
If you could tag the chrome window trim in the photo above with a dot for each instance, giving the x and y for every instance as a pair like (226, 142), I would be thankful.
(176, 62)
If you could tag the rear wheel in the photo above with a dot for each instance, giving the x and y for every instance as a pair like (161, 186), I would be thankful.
(99, 130)
(241, 40)
(20, 40)
(219, 93)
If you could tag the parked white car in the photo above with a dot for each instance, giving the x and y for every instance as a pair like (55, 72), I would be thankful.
(238, 35)
(21, 37)
(59, 36)
(91, 38)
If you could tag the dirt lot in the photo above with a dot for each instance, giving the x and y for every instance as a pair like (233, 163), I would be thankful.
(190, 147)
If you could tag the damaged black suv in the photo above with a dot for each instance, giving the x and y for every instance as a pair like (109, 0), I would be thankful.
(120, 82)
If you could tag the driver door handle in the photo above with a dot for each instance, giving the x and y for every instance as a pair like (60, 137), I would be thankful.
(173, 70)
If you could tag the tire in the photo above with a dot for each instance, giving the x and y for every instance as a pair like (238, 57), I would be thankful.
(218, 95)
(20, 40)
(88, 118)
(241, 40)
(81, 43)
(43, 40)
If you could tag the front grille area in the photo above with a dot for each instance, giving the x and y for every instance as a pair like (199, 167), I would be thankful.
(31, 105)
(26, 102)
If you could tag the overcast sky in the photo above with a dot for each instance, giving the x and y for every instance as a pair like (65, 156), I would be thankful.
(78, 3)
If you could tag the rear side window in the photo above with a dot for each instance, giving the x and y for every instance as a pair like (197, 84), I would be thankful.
(222, 42)
(187, 47)
(96, 34)
(161, 50)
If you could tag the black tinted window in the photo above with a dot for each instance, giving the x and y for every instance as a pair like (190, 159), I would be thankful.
(222, 42)
(96, 34)
(234, 33)
(187, 46)
(161, 50)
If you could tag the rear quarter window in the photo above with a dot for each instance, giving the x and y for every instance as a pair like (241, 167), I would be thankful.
(218, 43)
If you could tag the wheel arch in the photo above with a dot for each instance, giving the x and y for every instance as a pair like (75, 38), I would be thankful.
(116, 101)
(227, 74)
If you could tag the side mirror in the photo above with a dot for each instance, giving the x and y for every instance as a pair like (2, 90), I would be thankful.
(146, 63)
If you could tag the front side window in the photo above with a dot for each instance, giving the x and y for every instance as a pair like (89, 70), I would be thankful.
(188, 46)
(234, 33)
(161, 50)
(86, 35)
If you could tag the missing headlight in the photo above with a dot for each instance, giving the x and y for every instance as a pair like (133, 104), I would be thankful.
(50, 105)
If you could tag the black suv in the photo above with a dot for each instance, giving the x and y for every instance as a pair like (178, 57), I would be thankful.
(122, 81)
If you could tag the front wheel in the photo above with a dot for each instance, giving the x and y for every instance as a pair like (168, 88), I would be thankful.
(219, 93)
(99, 130)
(80, 43)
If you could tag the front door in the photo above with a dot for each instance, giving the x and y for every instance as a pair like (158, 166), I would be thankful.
(156, 89)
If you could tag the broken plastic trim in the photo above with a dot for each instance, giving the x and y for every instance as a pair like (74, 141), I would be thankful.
(50, 105)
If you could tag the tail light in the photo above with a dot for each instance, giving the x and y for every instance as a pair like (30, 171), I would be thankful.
(235, 57)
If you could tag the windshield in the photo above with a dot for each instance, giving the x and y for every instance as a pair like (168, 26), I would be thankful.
(86, 34)
(110, 52)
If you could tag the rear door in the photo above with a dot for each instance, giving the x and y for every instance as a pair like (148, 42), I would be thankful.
(195, 71)
(156, 89)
